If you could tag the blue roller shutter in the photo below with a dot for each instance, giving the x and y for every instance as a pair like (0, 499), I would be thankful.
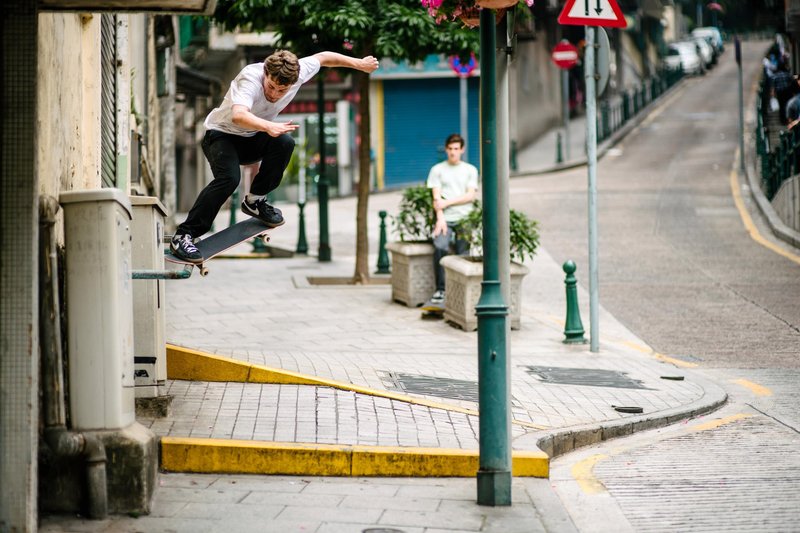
(418, 116)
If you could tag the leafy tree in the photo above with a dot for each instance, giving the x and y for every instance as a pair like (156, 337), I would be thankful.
(397, 29)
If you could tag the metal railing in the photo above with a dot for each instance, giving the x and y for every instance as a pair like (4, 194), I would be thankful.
(777, 150)
(614, 112)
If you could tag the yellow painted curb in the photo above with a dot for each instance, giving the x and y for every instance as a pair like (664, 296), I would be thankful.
(217, 456)
(193, 365)
(220, 456)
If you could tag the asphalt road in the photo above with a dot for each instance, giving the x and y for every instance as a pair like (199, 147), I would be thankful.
(678, 267)
(676, 264)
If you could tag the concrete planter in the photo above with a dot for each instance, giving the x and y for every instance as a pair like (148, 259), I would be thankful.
(463, 278)
(412, 272)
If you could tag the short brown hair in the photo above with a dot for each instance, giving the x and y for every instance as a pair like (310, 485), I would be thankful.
(454, 138)
(283, 67)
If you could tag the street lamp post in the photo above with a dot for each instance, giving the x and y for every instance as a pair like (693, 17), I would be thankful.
(494, 473)
(324, 251)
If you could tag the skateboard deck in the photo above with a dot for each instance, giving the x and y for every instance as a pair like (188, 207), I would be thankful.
(222, 241)
(432, 310)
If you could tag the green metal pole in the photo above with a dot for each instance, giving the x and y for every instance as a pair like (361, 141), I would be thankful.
(324, 252)
(494, 473)
(738, 50)
(573, 329)
(383, 257)
(302, 243)
(234, 207)
(559, 156)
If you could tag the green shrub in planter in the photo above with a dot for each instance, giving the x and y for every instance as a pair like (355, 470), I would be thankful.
(415, 218)
(523, 233)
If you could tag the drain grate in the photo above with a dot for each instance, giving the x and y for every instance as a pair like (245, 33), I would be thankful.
(455, 389)
(591, 377)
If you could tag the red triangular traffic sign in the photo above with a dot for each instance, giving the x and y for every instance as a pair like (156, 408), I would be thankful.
(592, 13)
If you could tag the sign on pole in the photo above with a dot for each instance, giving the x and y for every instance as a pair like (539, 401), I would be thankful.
(592, 13)
(565, 55)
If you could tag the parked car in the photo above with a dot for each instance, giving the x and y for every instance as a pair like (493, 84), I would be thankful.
(705, 52)
(683, 55)
(713, 35)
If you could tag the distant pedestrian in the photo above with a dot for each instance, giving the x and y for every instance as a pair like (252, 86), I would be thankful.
(454, 185)
(243, 130)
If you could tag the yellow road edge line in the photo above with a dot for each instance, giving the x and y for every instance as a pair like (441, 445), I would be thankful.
(194, 365)
(721, 422)
(677, 362)
(582, 472)
(660, 356)
(221, 456)
(747, 220)
(755, 388)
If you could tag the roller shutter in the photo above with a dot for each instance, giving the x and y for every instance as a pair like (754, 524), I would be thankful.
(419, 115)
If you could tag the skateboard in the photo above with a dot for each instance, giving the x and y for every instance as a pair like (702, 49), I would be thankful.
(222, 241)
(432, 310)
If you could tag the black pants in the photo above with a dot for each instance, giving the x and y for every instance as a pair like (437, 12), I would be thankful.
(225, 152)
(444, 244)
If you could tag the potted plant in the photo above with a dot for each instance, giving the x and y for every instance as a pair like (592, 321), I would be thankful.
(463, 275)
(412, 256)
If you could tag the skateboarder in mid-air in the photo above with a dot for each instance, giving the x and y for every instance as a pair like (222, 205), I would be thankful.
(243, 130)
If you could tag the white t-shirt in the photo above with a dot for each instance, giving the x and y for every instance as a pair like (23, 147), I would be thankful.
(453, 181)
(247, 89)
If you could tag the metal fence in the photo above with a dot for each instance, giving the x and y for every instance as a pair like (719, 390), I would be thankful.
(614, 112)
(777, 149)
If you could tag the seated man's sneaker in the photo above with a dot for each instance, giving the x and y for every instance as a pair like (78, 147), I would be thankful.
(438, 298)
(183, 247)
(260, 209)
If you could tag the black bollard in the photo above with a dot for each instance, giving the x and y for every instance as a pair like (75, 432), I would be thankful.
(302, 243)
(573, 329)
(383, 257)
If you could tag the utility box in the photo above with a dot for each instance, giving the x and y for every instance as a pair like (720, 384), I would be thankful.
(99, 303)
(149, 343)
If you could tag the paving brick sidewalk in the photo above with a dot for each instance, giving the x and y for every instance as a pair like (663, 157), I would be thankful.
(265, 312)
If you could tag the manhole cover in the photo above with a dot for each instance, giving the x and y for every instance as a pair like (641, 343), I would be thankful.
(591, 377)
(455, 389)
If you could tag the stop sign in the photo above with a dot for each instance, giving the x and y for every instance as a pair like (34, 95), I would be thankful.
(565, 55)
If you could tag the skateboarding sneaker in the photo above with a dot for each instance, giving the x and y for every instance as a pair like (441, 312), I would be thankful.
(260, 209)
(183, 247)
(437, 298)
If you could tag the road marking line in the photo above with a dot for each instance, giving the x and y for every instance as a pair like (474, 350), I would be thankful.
(660, 356)
(582, 472)
(748, 221)
(677, 362)
(755, 388)
(721, 422)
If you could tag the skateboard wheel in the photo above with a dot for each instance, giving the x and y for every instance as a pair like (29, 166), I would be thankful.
(265, 238)
(203, 271)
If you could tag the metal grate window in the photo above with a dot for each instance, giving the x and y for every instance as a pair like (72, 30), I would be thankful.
(108, 115)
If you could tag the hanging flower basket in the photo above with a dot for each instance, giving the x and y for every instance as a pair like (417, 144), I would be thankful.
(471, 17)
(468, 10)
(496, 4)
